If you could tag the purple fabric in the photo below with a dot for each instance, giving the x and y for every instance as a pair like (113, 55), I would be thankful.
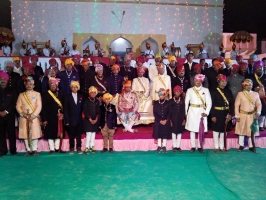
(201, 132)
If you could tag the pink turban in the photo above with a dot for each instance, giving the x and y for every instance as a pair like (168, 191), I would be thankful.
(98, 67)
(235, 66)
(257, 64)
(54, 81)
(4, 75)
(199, 77)
(221, 77)
(177, 88)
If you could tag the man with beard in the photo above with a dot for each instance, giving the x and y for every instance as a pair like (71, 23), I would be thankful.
(235, 80)
(181, 80)
(165, 51)
(149, 52)
(29, 106)
(259, 83)
(38, 71)
(8, 96)
(221, 112)
(14, 78)
(171, 68)
(17, 67)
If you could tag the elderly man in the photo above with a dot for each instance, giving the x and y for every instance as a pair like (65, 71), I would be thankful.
(161, 81)
(29, 106)
(116, 81)
(228, 66)
(38, 71)
(17, 66)
(198, 104)
(52, 103)
(67, 77)
(128, 105)
(14, 78)
(171, 68)
(127, 71)
(247, 107)
(8, 96)
(198, 70)
(235, 80)
(252, 60)
(259, 83)
(221, 112)
(153, 71)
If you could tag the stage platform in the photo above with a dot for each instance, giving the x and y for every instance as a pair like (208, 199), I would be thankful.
(143, 141)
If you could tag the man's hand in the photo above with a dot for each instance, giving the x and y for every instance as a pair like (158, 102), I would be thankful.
(184, 123)
(214, 119)
(203, 114)
(3, 113)
(45, 123)
(228, 118)
(67, 124)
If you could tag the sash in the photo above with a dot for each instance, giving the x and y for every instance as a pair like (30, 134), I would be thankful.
(141, 84)
(249, 98)
(171, 70)
(224, 97)
(100, 83)
(160, 79)
(56, 99)
(200, 97)
(258, 80)
(28, 101)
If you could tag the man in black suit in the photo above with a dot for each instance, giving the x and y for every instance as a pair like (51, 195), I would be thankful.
(127, 71)
(14, 77)
(189, 66)
(8, 96)
(38, 71)
(73, 116)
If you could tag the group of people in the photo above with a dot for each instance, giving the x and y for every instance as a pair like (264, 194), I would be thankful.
(83, 98)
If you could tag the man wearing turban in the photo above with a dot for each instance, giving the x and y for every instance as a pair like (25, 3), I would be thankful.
(259, 83)
(6, 51)
(165, 50)
(189, 65)
(198, 104)
(23, 50)
(188, 50)
(74, 50)
(221, 111)
(67, 76)
(228, 66)
(213, 72)
(38, 71)
(128, 105)
(86, 73)
(52, 109)
(29, 106)
(8, 96)
(202, 53)
(234, 52)
(14, 78)
(17, 66)
(116, 81)
(247, 107)
(252, 60)
(148, 52)
(171, 67)
(128, 71)
(198, 68)
(235, 80)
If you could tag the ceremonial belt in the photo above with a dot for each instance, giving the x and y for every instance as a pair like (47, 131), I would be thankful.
(100, 84)
(56, 99)
(248, 97)
(141, 84)
(28, 102)
(221, 108)
(247, 113)
(200, 97)
(160, 78)
(224, 97)
(171, 70)
(258, 80)
(197, 105)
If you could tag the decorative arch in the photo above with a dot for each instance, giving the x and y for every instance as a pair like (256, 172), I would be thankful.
(154, 45)
(120, 46)
(90, 41)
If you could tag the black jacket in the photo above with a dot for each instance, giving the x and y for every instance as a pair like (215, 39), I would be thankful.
(108, 116)
(73, 111)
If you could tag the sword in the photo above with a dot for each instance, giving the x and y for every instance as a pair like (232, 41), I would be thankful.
(29, 123)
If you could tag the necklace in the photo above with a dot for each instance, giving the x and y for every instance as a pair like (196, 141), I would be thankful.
(181, 79)
(108, 109)
(100, 78)
(162, 102)
(177, 101)
(68, 74)
(92, 100)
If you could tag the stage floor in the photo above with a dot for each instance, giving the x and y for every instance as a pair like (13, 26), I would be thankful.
(143, 141)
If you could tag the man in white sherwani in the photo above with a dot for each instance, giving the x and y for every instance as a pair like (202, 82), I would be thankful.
(161, 81)
(198, 104)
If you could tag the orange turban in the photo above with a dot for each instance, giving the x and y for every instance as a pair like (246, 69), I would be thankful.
(115, 66)
(69, 61)
(107, 96)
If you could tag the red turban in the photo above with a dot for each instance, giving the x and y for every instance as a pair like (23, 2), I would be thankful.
(197, 66)
(221, 77)
(85, 62)
(177, 88)
(34, 57)
(140, 59)
(180, 68)
(235, 66)
(4, 75)
(52, 61)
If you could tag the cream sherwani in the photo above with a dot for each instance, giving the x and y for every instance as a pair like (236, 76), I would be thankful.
(18, 70)
(194, 113)
(161, 81)
(22, 107)
(242, 103)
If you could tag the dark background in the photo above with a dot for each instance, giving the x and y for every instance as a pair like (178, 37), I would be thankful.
(248, 15)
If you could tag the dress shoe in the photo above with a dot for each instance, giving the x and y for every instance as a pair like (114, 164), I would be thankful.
(240, 149)
(216, 150)
(104, 150)
(86, 150)
(111, 150)
(51, 152)
(223, 150)
(93, 150)
(200, 150)
(27, 154)
(14, 154)
(262, 129)
(164, 149)
(35, 153)
(56, 150)
(192, 150)
(175, 149)
(71, 151)
(179, 150)
(79, 151)
(158, 149)
(253, 150)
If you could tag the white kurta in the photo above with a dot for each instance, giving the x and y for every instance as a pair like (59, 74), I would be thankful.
(165, 52)
(73, 52)
(157, 85)
(153, 71)
(33, 52)
(149, 53)
(6, 51)
(18, 70)
(133, 63)
(46, 52)
(193, 113)
(144, 87)
(22, 52)
(187, 52)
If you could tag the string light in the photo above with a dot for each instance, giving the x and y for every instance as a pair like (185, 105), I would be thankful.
(192, 22)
